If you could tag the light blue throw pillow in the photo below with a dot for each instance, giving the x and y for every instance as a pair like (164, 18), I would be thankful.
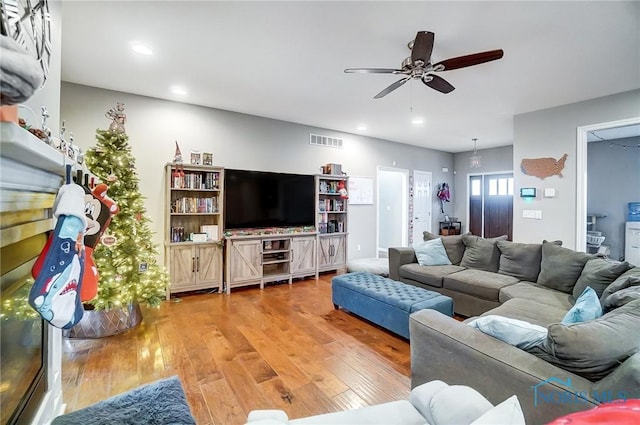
(587, 307)
(515, 332)
(431, 253)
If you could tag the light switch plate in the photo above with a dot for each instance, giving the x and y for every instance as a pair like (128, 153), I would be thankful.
(549, 192)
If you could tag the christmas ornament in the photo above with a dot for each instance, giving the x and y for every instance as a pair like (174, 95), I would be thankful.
(112, 178)
(108, 240)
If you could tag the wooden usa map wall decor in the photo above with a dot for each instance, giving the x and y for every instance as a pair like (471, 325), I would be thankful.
(543, 167)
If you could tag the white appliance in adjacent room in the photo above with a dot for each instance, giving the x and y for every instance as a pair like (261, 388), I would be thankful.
(632, 243)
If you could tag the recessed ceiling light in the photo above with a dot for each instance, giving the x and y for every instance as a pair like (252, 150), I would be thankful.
(417, 121)
(178, 90)
(361, 127)
(141, 48)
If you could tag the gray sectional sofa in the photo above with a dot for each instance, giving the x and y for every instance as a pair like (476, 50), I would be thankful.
(577, 366)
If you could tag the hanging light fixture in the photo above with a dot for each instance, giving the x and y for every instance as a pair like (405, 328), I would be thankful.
(475, 160)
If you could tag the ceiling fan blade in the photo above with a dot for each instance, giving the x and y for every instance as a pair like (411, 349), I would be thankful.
(372, 71)
(422, 47)
(391, 88)
(438, 83)
(470, 60)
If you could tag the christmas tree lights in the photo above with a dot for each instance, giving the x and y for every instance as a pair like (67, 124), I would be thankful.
(126, 260)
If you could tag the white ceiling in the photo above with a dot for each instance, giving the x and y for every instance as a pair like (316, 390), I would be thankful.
(614, 133)
(285, 60)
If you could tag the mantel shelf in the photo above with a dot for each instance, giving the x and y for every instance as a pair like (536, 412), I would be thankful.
(21, 146)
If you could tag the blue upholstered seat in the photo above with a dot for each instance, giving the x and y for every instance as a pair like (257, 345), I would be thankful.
(384, 301)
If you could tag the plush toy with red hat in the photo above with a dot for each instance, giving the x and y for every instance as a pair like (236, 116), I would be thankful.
(342, 190)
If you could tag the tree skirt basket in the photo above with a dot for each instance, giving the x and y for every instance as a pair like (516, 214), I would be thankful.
(101, 323)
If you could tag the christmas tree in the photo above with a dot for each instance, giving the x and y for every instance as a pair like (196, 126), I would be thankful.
(127, 261)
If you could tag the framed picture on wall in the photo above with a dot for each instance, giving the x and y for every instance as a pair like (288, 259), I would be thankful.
(196, 158)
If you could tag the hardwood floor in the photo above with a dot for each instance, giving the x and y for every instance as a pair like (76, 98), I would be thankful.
(284, 347)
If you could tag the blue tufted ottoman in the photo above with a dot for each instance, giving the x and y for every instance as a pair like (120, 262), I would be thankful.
(383, 301)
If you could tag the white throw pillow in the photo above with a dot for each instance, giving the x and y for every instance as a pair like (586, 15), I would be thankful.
(457, 404)
(431, 253)
(509, 412)
(515, 332)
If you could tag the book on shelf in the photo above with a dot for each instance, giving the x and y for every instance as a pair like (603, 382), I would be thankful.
(196, 181)
(193, 205)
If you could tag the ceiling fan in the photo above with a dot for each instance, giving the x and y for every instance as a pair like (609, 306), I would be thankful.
(419, 66)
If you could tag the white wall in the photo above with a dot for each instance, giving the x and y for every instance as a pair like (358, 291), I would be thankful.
(49, 94)
(238, 141)
(552, 133)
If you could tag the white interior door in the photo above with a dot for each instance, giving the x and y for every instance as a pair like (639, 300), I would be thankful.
(422, 198)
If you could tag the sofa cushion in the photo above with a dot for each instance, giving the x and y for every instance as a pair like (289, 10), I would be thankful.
(620, 298)
(560, 267)
(452, 244)
(598, 273)
(521, 260)
(429, 275)
(587, 307)
(537, 313)
(431, 253)
(593, 349)
(535, 292)
(627, 279)
(481, 253)
(479, 283)
(518, 333)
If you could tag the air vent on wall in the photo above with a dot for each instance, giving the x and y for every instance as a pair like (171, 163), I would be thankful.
(330, 142)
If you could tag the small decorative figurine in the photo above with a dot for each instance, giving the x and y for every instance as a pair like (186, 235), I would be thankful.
(178, 172)
(118, 116)
(46, 130)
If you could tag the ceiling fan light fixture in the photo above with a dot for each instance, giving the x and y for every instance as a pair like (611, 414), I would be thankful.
(361, 127)
(475, 161)
(417, 120)
(419, 65)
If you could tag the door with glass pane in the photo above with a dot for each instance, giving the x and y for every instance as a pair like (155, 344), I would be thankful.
(491, 205)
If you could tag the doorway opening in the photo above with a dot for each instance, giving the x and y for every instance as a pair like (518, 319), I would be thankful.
(490, 204)
(392, 212)
(582, 140)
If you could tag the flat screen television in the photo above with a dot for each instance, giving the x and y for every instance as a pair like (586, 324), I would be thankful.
(266, 199)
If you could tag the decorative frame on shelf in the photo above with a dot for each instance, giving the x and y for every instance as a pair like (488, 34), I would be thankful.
(207, 158)
(196, 158)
